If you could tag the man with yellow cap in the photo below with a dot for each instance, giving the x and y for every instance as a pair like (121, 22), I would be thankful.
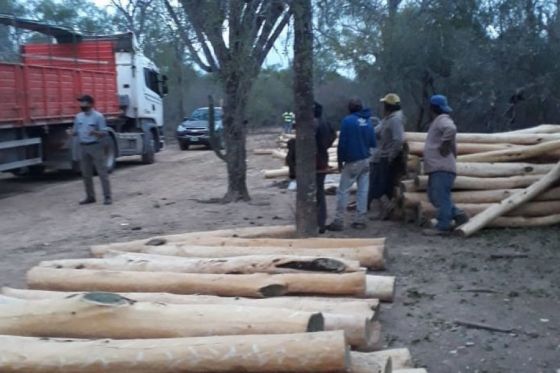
(387, 159)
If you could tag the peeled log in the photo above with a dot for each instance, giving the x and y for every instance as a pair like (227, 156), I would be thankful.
(371, 365)
(400, 357)
(233, 265)
(411, 370)
(479, 221)
(501, 169)
(527, 210)
(220, 240)
(407, 186)
(361, 333)
(514, 154)
(280, 172)
(258, 285)
(417, 148)
(540, 129)
(368, 256)
(381, 287)
(491, 138)
(480, 196)
(279, 154)
(345, 306)
(478, 183)
(524, 222)
(263, 151)
(108, 315)
(308, 352)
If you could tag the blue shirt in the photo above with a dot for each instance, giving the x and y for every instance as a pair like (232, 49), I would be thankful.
(84, 123)
(357, 137)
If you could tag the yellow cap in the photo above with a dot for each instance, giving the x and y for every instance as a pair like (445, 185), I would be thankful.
(391, 99)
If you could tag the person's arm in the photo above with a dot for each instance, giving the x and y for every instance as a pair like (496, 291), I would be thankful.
(397, 137)
(449, 131)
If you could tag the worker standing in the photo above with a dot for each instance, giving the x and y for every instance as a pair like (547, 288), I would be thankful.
(440, 152)
(90, 128)
(357, 138)
(288, 119)
(387, 160)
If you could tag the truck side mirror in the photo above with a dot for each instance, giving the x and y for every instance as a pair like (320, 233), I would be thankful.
(164, 87)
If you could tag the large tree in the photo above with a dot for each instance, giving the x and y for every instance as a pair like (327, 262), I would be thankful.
(231, 38)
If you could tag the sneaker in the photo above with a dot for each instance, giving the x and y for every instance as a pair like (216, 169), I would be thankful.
(358, 225)
(335, 226)
(108, 201)
(435, 232)
(87, 201)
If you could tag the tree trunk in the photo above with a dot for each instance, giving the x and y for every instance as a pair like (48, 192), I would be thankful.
(510, 203)
(345, 306)
(372, 257)
(235, 134)
(306, 148)
(253, 286)
(284, 353)
(108, 315)
(232, 265)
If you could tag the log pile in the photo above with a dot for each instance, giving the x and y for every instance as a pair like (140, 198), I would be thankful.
(508, 179)
(247, 299)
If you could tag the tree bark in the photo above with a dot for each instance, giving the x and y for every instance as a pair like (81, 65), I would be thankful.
(306, 147)
(372, 257)
(108, 315)
(253, 286)
(286, 353)
(345, 306)
(510, 203)
(232, 265)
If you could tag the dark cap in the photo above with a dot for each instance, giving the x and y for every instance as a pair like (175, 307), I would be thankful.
(86, 98)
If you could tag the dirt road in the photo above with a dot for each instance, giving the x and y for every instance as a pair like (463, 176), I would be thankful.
(441, 280)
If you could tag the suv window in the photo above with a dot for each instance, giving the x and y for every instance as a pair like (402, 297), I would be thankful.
(202, 114)
(152, 80)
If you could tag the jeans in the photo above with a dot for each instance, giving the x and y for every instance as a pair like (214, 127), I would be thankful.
(353, 172)
(321, 201)
(288, 127)
(94, 155)
(440, 184)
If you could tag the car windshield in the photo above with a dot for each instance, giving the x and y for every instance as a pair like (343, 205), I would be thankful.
(202, 114)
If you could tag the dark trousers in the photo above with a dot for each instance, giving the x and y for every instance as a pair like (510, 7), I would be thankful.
(383, 178)
(321, 200)
(94, 155)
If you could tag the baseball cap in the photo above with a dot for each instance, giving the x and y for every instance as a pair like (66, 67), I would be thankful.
(391, 99)
(86, 98)
(440, 101)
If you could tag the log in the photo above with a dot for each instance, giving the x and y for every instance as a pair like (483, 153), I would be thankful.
(218, 240)
(263, 151)
(413, 164)
(411, 370)
(514, 154)
(527, 210)
(524, 222)
(280, 172)
(407, 186)
(381, 287)
(540, 129)
(501, 169)
(479, 221)
(479, 183)
(226, 354)
(372, 257)
(410, 200)
(258, 285)
(400, 357)
(109, 315)
(361, 333)
(375, 364)
(233, 265)
(417, 148)
(279, 154)
(491, 138)
(345, 306)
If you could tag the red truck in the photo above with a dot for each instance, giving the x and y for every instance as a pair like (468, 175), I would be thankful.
(38, 98)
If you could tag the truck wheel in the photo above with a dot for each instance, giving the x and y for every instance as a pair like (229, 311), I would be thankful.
(111, 155)
(149, 153)
(184, 145)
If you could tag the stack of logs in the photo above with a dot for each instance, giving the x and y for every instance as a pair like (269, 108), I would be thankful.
(234, 300)
(503, 179)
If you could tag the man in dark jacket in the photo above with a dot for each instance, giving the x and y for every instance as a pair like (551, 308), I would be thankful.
(324, 137)
(357, 139)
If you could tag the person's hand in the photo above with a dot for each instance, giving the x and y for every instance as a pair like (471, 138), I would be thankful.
(97, 134)
(445, 148)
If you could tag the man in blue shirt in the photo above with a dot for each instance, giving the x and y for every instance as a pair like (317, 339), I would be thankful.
(357, 139)
(90, 128)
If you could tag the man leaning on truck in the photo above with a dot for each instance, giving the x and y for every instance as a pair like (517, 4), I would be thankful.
(90, 128)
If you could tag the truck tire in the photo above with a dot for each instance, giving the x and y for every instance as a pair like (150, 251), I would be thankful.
(149, 156)
(111, 154)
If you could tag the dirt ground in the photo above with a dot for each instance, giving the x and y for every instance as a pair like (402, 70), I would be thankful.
(440, 280)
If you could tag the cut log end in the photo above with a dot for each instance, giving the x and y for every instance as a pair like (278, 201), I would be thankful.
(316, 323)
